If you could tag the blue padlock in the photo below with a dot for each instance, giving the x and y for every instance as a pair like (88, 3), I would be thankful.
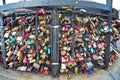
(84, 35)
(91, 71)
(91, 50)
(25, 26)
(45, 48)
(49, 51)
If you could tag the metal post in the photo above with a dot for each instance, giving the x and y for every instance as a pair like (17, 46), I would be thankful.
(36, 25)
(107, 35)
(3, 43)
(55, 45)
(4, 2)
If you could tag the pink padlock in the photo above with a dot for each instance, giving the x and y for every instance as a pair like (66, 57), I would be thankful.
(100, 46)
(80, 58)
(66, 29)
(31, 51)
(23, 48)
(69, 38)
(29, 68)
(94, 45)
(77, 27)
(72, 60)
(63, 59)
(25, 60)
(63, 28)
(63, 53)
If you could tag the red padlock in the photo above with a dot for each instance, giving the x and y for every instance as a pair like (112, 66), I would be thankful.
(77, 27)
(72, 60)
(46, 72)
(66, 70)
(90, 26)
(48, 62)
(41, 12)
(105, 45)
(23, 48)
(41, 69)
(39, 47)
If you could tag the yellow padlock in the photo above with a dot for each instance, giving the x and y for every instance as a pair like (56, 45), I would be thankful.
(76, 70)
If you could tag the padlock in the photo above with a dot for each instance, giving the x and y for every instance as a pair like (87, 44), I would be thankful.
(20, 54)
(36, 66)
(25, 60)
(76, 70)
(23, 48)
(41, 12)
(32, 61)
(22, 68)
(29, 68)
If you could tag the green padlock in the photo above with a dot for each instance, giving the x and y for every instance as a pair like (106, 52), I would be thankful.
(13, 39)
(29, 41)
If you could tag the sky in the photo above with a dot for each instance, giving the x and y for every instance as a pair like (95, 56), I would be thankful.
(116, 3)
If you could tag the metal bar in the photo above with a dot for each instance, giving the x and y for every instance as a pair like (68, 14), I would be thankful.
(55, 45)
(4, 2)
(107, 36)
(3, 42)
(54, 3)
(73, 35)
(36, 25)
